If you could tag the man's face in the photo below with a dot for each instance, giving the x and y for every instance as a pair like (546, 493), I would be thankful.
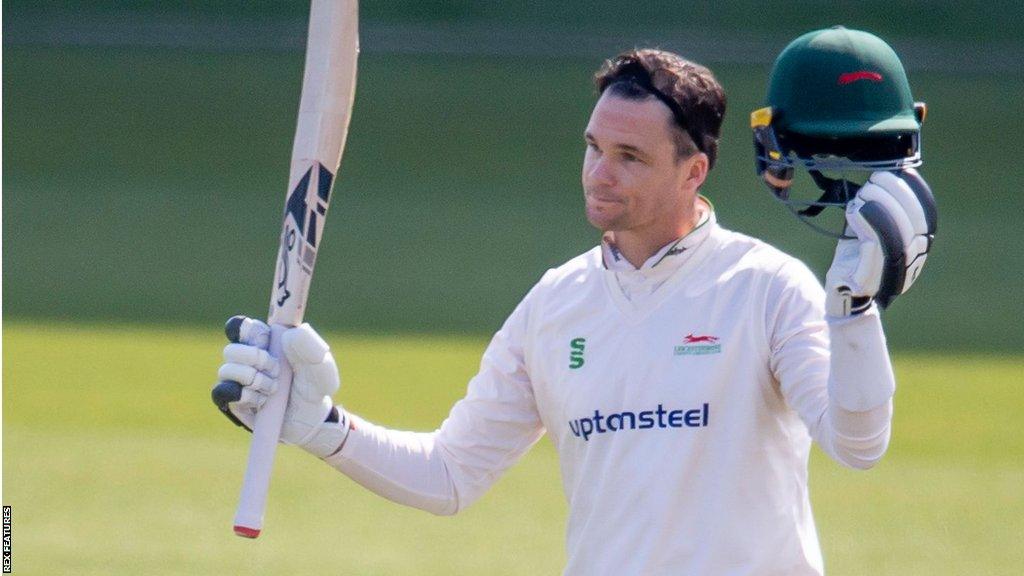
(632, 177)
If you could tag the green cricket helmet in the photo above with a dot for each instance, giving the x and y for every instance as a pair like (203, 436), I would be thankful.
(838, 102)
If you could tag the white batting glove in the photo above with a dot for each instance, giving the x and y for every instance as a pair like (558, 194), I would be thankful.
(894, 218)
(250, 374)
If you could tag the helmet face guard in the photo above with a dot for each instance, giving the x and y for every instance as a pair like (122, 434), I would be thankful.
(839, 108)
(778, 155)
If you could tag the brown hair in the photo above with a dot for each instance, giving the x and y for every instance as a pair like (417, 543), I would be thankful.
(691, 92)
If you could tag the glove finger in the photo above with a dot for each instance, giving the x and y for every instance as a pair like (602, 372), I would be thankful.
(924, 195)
(870, 263)
(900, 190)
(880, 219)
(916, 198)
(251, 356)
(240, 373)
(904, 226)
(249, 377)
(263, 384)
(856, 223)
(302, 345)
(226, 392)
(225, 396)
(245, 330)
(922, 244)
(251, 401)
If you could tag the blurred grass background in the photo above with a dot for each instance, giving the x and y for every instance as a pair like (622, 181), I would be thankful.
(145, 157)
(145, 184)
(115, 464)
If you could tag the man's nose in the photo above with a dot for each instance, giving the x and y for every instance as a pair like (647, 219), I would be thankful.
(600, 172)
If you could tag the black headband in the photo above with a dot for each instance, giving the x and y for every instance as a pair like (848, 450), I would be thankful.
(641, 79)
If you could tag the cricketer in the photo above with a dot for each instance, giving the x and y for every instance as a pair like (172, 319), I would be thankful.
(681, 369)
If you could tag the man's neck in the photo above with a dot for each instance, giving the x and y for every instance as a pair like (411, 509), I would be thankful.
(637, 246)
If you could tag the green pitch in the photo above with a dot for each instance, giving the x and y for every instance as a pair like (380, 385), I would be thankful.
(161, 198)
(116, 463)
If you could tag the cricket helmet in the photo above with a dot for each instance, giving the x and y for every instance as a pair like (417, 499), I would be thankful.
(838, 102)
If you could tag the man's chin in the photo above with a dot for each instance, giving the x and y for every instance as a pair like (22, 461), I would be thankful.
(602, 220)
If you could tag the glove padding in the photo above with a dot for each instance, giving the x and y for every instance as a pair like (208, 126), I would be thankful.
(894, 219)
(250, 374)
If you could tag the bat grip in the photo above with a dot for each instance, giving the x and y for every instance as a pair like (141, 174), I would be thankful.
(265, 436)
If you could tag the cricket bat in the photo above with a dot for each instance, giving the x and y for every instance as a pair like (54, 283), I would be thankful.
(328, 88)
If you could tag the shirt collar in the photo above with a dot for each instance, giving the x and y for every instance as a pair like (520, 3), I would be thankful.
(669, 256)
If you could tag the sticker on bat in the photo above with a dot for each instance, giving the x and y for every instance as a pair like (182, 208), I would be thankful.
(296, 205)
(296, 208)
(301, 222)
(287, 245)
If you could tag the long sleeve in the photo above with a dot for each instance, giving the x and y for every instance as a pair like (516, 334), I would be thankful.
(835, 374)
(485, 433)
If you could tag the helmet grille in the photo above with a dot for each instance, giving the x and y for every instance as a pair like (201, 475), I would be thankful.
(874, 148)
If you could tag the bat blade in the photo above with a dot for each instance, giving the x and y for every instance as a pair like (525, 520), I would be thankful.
(328, 89)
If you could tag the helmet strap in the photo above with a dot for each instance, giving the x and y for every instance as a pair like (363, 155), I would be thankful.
(834, 191)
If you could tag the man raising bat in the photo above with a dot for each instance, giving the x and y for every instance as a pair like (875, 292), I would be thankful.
(328, 88)
(681, 369)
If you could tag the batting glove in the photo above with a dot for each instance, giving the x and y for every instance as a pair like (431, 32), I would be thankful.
(893, 218)
(249, 376)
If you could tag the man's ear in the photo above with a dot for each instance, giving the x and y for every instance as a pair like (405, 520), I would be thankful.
(695, 169)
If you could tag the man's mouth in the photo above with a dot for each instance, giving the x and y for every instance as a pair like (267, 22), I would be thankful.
(603, 198)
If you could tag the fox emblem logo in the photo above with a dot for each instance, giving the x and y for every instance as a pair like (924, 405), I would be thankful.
(698, 345)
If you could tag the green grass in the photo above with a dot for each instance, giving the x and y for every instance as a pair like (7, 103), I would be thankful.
(116, 463)
(147, 185)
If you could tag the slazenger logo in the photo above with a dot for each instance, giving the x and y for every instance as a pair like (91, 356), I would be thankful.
(697, 345)
(851, 77)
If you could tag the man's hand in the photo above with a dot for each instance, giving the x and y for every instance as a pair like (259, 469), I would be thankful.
(893, 217)
(249, 374)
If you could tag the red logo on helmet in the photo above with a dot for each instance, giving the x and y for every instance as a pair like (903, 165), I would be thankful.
(691, 339)
(851, 77)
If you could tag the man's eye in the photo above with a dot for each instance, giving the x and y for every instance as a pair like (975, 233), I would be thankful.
(629, 157)
(592, 146)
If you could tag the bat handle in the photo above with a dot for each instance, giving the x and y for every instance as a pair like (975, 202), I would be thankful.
(265, 436)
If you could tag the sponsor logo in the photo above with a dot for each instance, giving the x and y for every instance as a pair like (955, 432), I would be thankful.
(294, 222)
(576, 348)
(304, 210)
(698, 345)
(851, 77)
(660, 417)
(287, 245)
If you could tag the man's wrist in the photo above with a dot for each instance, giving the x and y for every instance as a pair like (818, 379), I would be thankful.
(870, 310)
(330, 437)
(841, 303)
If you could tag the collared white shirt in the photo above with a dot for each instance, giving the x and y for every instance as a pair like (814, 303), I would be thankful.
(683, 418)
(639, 283)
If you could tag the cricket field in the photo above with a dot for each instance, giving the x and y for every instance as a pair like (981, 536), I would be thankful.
(145, 158)
(116, 462)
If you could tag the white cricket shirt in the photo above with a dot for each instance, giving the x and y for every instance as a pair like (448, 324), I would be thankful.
(681, 398)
